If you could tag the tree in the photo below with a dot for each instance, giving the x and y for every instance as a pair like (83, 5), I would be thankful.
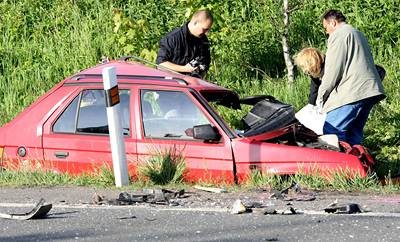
(285, 42)
(281, 23)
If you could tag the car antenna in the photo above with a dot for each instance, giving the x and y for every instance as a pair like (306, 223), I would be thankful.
(125, 58)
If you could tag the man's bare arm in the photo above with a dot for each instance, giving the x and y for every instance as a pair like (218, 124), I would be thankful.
(186, 68)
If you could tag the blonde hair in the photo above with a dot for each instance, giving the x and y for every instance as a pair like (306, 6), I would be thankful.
(310, 61)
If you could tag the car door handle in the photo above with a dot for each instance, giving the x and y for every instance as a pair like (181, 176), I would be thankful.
(61, 154)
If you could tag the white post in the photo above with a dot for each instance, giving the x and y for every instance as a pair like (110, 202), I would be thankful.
(114, 127)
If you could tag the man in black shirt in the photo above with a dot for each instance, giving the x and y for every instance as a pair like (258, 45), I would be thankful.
(186, 49)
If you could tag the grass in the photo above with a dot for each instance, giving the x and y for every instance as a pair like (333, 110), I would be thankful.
(104, 178)
(32, 173)
(164, 167)
(339, 181)
(41, 178)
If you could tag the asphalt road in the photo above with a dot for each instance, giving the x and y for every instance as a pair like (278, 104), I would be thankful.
(73, 219)
(151, 224)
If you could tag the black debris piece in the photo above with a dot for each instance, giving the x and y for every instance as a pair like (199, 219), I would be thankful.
(129, 217)
(348, 208)
(292, 210)
(293, 193)
(38, 212)
(152, 196)
(270, 211)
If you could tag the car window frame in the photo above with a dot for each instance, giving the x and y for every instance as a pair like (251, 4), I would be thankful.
(195, 101)
(80, 92)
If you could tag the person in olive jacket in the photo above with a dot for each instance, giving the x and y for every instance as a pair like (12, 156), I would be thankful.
(350, 85)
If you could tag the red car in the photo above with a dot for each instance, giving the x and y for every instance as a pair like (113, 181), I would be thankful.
(66, 129)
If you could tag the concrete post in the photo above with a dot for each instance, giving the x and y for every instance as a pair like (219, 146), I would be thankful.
(115, 127)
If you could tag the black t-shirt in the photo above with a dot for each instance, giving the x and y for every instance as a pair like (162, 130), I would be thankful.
(315, 83)
(180, 47)
(314, 86)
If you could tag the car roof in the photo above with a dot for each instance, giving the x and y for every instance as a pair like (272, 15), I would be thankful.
(133, 72)
(129, 72)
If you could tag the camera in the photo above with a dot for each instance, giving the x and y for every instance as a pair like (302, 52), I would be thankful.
(196, 62)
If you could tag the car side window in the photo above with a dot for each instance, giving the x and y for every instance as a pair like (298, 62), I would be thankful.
(87, 114)
(169, 114)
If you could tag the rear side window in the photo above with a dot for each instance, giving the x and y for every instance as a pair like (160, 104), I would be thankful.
(87, 114)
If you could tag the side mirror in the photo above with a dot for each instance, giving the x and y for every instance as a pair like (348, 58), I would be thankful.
(206, 132)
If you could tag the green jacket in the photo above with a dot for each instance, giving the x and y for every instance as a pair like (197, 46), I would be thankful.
(350, 74)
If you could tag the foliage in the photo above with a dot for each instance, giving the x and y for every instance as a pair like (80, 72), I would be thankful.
(44, 41)
(164, 167)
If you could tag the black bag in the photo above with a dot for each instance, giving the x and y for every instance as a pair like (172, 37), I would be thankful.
(267, 114)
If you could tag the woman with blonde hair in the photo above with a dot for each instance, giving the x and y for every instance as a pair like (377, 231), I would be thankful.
(311, 62)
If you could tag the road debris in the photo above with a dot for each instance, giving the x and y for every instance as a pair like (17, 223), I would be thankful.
(211, 189)
(348, 208)
(39, 211)
(153, 196)
(238, 207)
(289, 211)
(128, 217)
(270, 211)
(283, 193)
(292, 193)
(295, 187)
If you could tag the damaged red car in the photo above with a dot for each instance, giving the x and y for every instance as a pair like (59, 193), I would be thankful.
(66, 129)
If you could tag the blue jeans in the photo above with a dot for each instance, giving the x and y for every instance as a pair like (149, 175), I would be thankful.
(348, 121)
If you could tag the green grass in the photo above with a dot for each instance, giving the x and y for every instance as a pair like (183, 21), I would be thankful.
(164, 167)
(339, 181)
(104, 179)
(41, 178)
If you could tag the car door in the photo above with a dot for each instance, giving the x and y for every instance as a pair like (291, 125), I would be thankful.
(75, 137)
(166, 116)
